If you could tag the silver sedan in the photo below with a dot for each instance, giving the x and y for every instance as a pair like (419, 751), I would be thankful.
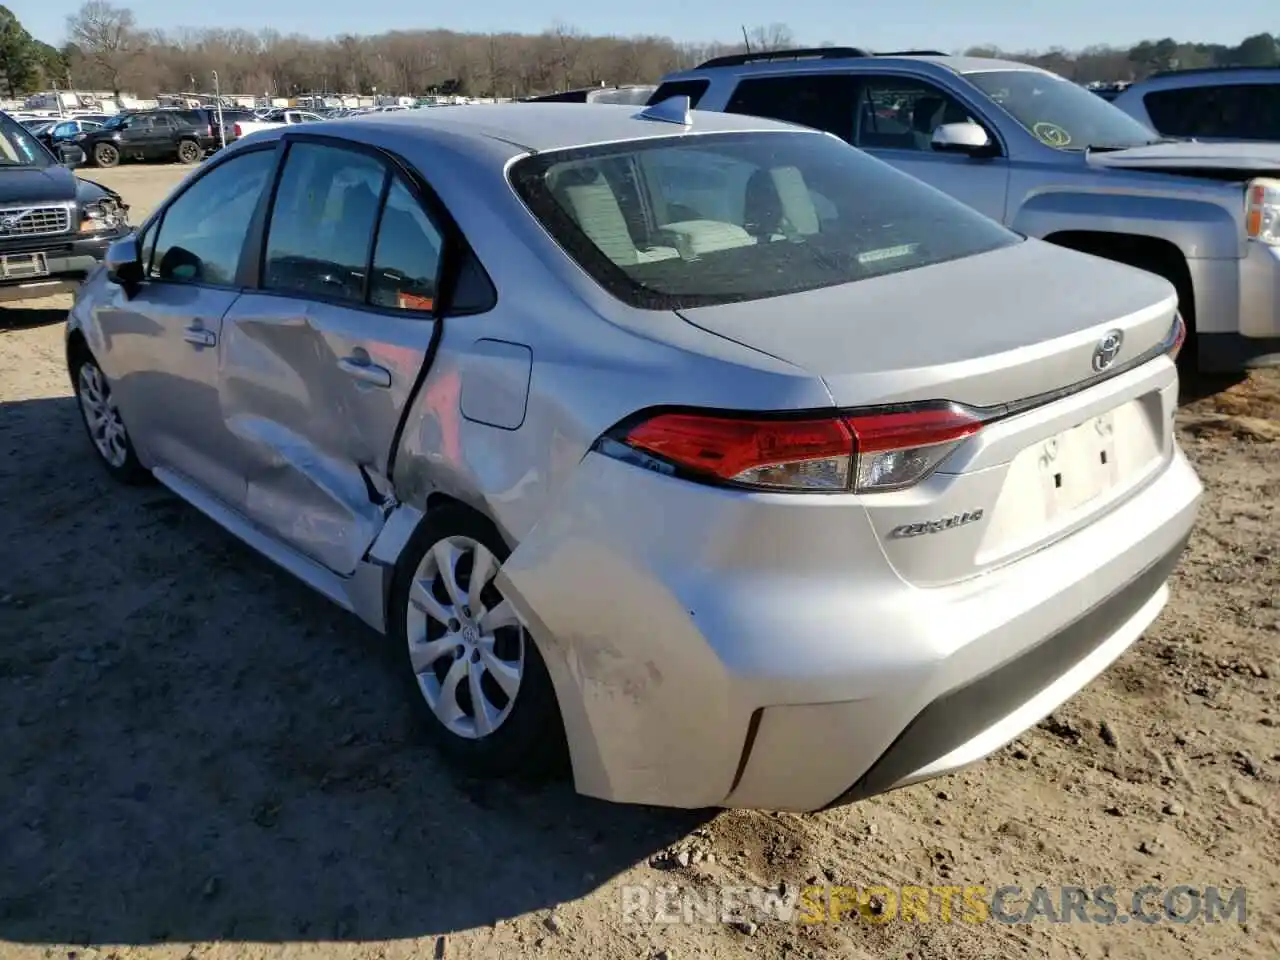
(705, 453)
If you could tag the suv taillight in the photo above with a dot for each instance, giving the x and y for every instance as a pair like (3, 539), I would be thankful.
(865, 452)
(236, 128)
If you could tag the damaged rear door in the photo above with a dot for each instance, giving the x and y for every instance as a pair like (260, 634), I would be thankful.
(320, 361)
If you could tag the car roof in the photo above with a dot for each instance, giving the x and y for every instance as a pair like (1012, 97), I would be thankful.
(540, 127)
(960, 65)
(1206, 77)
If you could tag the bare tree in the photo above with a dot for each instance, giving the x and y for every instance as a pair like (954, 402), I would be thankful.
(107, 37)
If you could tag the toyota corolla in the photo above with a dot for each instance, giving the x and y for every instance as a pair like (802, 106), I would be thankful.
(704, 452)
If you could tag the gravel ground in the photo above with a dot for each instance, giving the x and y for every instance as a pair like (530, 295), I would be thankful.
(200, 758)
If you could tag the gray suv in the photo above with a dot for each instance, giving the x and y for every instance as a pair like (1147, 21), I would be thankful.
(1049, 159)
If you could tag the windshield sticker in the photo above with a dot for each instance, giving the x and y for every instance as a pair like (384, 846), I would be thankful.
(887, 253)
(1051, 134)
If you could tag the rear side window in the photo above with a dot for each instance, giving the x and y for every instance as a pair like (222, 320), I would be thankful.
(1227, 111)
(720, 218)
(406, 259)
(693, 89)
(824, 102)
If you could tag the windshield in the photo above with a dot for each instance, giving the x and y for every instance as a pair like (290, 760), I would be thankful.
(1060, 113)
(19, 146)
(720, 218)
(116, 122)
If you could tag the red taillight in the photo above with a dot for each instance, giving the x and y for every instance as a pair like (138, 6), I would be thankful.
(236, 128)
(867, 452)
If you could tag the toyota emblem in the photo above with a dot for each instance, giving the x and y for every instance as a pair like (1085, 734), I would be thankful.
(1108, 348)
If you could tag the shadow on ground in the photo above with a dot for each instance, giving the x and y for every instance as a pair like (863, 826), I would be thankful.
(1193, 387)
(195, 747)
(25, 318)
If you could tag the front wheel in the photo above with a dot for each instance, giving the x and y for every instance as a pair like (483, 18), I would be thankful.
(105, 426)
(477, 681)
(106, 155)
(188, 151)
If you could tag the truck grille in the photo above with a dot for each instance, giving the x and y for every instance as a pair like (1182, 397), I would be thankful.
(26, 221)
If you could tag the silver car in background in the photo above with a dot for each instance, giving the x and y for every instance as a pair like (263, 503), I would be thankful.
(711, 455)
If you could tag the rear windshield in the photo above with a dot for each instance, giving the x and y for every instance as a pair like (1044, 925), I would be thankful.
(720, 218)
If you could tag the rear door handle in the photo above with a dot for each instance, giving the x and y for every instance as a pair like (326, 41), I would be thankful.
(200, 336)
(365, 372)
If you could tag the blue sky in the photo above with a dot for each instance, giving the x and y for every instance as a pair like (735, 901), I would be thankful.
(949, 24)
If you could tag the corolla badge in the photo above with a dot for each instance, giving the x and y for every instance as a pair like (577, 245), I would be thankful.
(1108, 348)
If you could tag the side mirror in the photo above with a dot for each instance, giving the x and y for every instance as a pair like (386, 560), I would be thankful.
(124, 262)
(967, 138)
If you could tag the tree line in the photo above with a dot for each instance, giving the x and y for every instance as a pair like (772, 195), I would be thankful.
(107, 49)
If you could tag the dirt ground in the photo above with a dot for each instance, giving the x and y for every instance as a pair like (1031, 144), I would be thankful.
(201, 758)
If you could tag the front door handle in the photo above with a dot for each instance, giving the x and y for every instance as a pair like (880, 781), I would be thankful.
(200, 336)
(365, 372)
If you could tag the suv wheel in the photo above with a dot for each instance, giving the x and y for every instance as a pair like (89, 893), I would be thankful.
(188, 151)
(106, 155)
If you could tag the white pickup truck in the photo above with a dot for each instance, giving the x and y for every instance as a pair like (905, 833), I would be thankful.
(277, 118)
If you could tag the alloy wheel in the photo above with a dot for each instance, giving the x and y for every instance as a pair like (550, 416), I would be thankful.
(466, 645)
(106, 428)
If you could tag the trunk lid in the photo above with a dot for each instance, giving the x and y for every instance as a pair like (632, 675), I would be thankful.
(990, 331)
(985, 330)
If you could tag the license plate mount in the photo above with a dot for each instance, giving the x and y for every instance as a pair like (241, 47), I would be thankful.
(23, 266)
(1079, 464)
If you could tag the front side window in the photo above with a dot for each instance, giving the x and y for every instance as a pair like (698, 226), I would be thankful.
(719, 218)
(203, 231)
(1059, 113)
(901, 113)
(322, 223)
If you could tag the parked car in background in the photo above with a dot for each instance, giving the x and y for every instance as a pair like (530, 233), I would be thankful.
(182, 135)
(54, 226)
(272, 119)
(670, 438)
(638, 93)
(65, 131)
(1050, 159)
(1228, 103)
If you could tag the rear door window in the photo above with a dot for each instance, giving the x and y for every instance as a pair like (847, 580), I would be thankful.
(821, 101)
(322, 223)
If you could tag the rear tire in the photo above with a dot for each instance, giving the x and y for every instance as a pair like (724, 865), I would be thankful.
(189, 152)
(454, 644)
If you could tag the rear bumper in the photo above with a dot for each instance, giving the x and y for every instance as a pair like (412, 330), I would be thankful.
(712, 647)
(967, 723)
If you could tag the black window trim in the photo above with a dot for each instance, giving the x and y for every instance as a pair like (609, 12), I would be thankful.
(156, 220)
(454, 252)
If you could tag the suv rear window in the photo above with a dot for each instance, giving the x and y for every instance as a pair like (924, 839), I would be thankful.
(721, 218)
